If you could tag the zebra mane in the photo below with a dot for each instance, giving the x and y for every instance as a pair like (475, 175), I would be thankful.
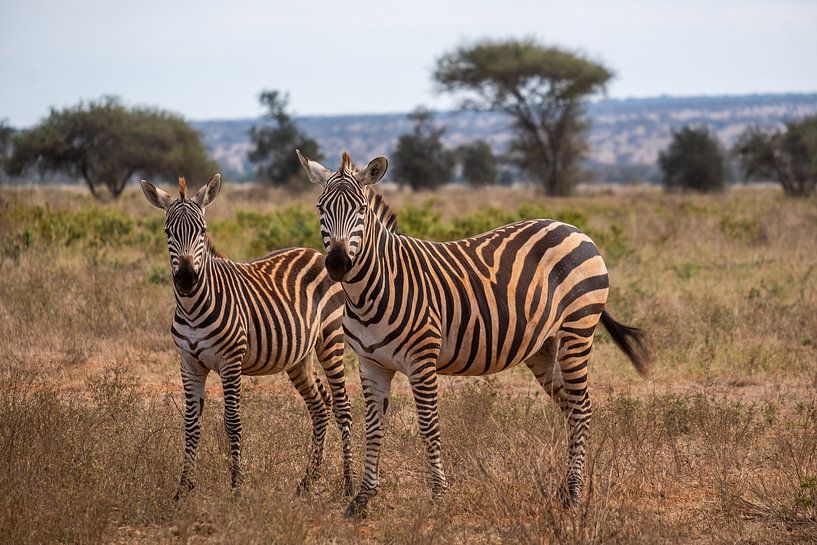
(382, 210)
(212, 249)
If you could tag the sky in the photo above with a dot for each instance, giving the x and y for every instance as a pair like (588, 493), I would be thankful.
(210, 59)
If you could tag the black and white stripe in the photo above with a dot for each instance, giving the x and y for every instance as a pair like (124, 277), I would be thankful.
(531, 292)
(256, 318)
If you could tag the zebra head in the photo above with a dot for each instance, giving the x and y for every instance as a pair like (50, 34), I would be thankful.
(185, 228)
(342, 206)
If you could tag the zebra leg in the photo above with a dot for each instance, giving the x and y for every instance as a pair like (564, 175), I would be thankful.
(330, 356)
(303, 377)
(423, 381)
(566, 383)
(376, 383)
(231, 384)
(548, 375)
(194, 376)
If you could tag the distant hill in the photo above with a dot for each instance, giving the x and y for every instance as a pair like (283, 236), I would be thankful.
(625, 134)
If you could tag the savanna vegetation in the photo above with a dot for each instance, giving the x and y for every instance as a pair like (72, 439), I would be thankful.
(273, 142)
(105, 143)
(420, 160)
(719, 445)
(694, 160)
(542, 88)
(787, 155)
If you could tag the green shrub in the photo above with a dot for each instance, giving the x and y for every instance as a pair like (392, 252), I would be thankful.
(748, 231)
(92, 226)
(293, 226)
(425, 221)
(687, 270)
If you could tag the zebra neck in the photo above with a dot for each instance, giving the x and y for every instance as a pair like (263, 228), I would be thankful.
(370, 271)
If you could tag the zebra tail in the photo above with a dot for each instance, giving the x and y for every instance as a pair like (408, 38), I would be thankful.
(632, 341)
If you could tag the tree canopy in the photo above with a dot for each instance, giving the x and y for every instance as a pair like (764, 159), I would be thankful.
(542, 88)
(106, 144)
(420, 159)
(694, 160)
(275, 145)
(788, 156)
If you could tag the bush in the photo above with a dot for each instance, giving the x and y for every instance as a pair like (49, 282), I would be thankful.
(788, 157)
(420, 160)
(478, 163)
(293, 226)
(275, 145)
(693, 161)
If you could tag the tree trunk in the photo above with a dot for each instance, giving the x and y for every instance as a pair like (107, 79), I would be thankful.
(90, 183)
(118, 186)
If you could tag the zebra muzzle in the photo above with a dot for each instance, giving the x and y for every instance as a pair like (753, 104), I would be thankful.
(338, 262)
(185, 276)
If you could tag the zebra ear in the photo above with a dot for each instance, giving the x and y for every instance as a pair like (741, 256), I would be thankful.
(156, 196)
(316, 172)
(209, 192)
(374, 171)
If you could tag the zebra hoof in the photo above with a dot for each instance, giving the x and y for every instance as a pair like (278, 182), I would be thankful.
(184, 488)
(302, 489)
(357, 509)
(235, 492)
(569, 499)
(438, 492)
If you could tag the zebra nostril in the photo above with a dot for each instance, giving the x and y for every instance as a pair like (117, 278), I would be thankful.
(185, 277)
(338, 262)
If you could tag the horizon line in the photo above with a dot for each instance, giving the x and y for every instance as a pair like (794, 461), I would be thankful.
(597, 100)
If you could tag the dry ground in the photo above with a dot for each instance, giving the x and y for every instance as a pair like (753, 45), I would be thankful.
(718, 446)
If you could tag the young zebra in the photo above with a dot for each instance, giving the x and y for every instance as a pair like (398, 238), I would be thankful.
(254, 318)
(531, 292)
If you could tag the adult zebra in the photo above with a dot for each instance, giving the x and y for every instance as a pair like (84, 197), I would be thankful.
(255, 318)
(531, 291)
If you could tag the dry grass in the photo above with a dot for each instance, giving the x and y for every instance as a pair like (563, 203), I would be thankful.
(719, 446)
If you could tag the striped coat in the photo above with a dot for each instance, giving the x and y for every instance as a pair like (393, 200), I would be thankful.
(258, 318)
(530, 292)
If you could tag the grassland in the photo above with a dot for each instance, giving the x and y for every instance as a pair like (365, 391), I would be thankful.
(719, 445)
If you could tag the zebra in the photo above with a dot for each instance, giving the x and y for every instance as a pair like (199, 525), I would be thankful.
(256, 318)
(532, 291)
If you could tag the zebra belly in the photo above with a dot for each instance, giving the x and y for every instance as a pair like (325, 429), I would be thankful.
(274, 354)
(478, 352)
(255, 361)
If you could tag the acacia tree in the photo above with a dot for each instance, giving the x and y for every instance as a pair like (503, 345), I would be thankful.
(788, 156)
(275, 145)
(694, 160)
(420, 159)
(478, 163)
(106, 144)
(543, 90)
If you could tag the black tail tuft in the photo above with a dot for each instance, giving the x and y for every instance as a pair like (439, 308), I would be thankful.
(632, 342)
